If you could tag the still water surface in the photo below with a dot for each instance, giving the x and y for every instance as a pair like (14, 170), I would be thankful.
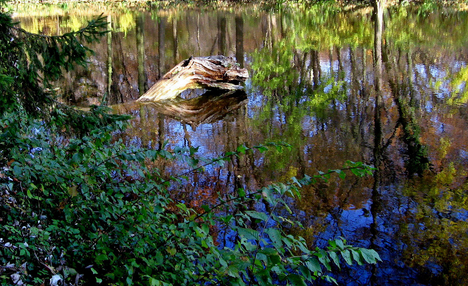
(387, 88)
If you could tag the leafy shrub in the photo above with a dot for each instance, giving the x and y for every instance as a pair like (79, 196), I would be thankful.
(90, 210)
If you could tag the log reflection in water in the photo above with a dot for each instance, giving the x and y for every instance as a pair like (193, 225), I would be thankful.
(210, 107)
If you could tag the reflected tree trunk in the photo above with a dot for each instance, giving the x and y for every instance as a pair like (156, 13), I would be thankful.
(222, 50)
(161, 46)
(198, 34)
(109, 55)
(161, 131)
(175, 41)
(403, 92)
(187, 139)
(144, 123)
(341, 71)
(119, 80)
(378, 132)
(315, 67)
(240, 40)
(140, 42)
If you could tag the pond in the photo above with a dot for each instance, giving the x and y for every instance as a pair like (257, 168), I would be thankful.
(385, 87)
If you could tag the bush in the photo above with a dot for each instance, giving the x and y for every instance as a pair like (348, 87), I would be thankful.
(89, 210)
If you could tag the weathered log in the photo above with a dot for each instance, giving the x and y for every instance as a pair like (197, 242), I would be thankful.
(213, 72)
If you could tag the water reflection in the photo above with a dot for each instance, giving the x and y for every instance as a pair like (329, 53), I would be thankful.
(207, 108)
(387, 89)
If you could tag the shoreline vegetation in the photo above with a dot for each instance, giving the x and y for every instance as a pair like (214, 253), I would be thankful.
(62, 7)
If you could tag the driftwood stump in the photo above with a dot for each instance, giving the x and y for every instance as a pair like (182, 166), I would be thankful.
(213, 72)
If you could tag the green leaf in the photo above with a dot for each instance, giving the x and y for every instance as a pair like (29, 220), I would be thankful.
(304, 271)
(17, 171)
(339, 243)
(257, 215)
(172, 251)
(313, 265)
(335, 258)
(77, 158)
(347, 256)
(233, 271)
(294, 179)
(356, 256)
(370, 255)
(248, 233)
(296, 280)
(325, 260)
(276, 238)
(341, 174)
(242, 149)
(261, 148)
(100, 258)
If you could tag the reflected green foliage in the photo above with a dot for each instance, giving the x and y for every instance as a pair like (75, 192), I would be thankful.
(126, 22)
(274, 69)
(458, 83)
(426, 28)
(35, 61)
(438, 221)
(321, 30)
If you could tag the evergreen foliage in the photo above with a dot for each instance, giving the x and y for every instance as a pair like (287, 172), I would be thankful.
(83, 209)
(30, 63)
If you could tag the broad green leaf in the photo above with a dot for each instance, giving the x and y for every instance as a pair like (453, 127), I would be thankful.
(356, 256)
(100, 258)
(347, 256)
(325, 261)
(304, 271)
(242, 149)
(257, 215)
(370, 255)
(339, 243)
(276, 238)
(261, 148)
(233, 271)
(313, 265)
(248, 233)
(335, 258)
(296, 280)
